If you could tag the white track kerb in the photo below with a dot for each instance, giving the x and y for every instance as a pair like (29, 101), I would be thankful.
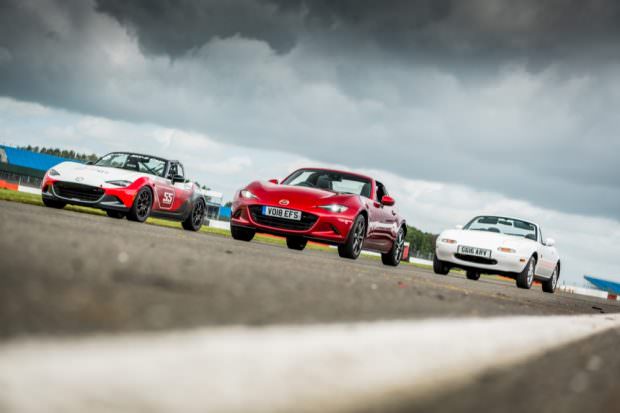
(318, 368)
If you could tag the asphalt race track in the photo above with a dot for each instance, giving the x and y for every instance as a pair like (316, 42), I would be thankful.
(66, 274)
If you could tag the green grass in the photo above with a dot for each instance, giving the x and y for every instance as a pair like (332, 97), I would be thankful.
(32, 199)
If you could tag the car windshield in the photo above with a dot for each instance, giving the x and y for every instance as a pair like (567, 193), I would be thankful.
(332, 181)
(507, 226)
(133, 162)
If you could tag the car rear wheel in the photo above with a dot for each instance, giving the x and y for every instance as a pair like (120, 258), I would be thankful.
(352, 248)
(296, 243)
(526, 277)
(141, 208)
(393, 257)
(472, 275)
(115, 214)
(195, 219)
(241, 233)
(440, 267)
(53, 203)
(550, 285)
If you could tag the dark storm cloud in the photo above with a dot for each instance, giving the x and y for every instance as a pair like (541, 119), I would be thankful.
(176, 27)
(478, 31)
(517, 97)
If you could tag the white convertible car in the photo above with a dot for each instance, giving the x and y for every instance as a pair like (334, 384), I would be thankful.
(499, 245)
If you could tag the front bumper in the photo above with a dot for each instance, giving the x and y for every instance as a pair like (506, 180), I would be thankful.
(501, 262)
(329, 227)
(113, 199)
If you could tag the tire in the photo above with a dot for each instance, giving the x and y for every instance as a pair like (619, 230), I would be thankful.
(440, 267)
(525, 278)
(393, 257)
(115, 214)
(241, 233)
(352, 248)
(196, 218)
(296, 243)
(550, 285)
(142, 204)
(472, 275)
(53, 203)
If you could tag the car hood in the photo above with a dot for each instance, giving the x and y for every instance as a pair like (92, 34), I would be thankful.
(489, 240)
(93, 175)
(295, 195)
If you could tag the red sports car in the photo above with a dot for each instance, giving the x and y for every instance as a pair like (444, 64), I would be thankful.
(345, 209)
(128, 185)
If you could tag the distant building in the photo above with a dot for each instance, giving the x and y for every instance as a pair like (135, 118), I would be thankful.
(214, 203)
(25, 168)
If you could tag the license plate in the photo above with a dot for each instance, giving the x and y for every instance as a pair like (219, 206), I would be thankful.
(476, 252)
(282, 213)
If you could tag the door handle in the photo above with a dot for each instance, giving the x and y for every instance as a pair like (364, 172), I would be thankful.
(394, 213)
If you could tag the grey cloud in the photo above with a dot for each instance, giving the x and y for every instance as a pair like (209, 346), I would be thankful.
(447, 31)
(176, 27)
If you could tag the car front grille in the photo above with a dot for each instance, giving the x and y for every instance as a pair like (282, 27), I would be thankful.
(69, 190)
(478, 260)
(307, 220)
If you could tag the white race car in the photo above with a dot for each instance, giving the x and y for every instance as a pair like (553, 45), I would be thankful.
(499, 245)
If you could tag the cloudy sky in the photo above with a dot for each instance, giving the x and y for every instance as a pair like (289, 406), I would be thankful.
(460, 107)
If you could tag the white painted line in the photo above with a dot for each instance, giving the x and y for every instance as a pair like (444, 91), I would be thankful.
(238, 369)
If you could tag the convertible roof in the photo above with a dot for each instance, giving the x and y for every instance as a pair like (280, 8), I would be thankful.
(337, 171)
(144, 154)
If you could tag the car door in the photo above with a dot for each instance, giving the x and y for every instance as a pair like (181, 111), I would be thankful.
(380, 227)
(164, 192)
(182, 190)
(548, 257)
(390, 217)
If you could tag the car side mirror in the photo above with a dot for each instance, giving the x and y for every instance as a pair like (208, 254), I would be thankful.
(459, 226)
(274, 181)
(550, 242)
(178, 178)
(90, 163)
(388, 200)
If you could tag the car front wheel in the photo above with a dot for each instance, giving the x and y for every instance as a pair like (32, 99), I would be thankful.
(526, 277)
(440, 267)
(296, 243)
(141, 208)
(472, 275)
(53, 203)
(241, 233)
(352, 248)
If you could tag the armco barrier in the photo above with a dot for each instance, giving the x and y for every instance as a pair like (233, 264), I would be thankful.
(8, 185)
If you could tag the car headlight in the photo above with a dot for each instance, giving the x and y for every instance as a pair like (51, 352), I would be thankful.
(334, 208)
(119, 182)
(53, 172)
(448, 241)
(507, 250)
(247, 194)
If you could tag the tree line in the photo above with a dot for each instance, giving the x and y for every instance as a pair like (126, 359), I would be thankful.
(422, 244)
(63, 153)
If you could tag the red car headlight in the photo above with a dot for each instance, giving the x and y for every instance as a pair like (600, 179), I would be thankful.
(247, 194)
(119, 183)
(334, 208)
